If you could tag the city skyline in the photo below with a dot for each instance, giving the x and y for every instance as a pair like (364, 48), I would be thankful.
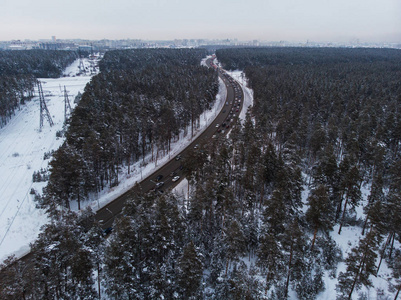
(291, 20)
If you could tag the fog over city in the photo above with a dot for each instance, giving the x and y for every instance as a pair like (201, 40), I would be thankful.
(268, 20)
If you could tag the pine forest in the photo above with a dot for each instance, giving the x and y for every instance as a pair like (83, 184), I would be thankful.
(266, 202)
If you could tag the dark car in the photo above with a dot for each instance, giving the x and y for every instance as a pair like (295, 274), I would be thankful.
(107, 231)
(158, 178)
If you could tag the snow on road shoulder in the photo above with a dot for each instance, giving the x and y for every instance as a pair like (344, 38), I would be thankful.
(240, 77)
(141, 170)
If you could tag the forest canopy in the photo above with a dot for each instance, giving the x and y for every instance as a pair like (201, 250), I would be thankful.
(136, 105)
(266, 204)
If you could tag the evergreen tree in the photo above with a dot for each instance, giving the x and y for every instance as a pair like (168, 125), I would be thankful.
(320, 213)
(189, 272)
(360, 265)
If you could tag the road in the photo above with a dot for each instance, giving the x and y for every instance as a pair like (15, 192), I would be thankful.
(234, 101)
(229, 111)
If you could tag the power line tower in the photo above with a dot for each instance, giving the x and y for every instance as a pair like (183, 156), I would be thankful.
(81, 65)
(67, 106)
(44, 112)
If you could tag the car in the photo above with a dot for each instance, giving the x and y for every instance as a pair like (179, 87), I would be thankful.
(159, 184)
(224, 124)
(196, 146)
(228, 126)
(175, 178)
(224, 111)
(159, 177)
(236, 110)
(172, 174)
(214, 136)
(107, 231)
(217, 125)
(178, 157)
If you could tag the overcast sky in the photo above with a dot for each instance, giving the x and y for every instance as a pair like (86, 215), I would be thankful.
(268, 20)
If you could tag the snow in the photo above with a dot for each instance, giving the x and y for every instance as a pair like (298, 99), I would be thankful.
(239, 76)
(140, 170)
(22, 146)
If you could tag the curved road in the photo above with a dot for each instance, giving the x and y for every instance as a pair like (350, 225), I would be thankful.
(228, 115)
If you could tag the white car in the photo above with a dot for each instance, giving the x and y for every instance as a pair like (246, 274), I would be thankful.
(175, 178)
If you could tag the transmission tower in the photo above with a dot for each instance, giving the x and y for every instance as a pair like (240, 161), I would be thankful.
(44, 112)
(81, 65)
(67, 106)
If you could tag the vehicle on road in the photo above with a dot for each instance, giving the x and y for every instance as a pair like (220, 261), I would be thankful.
(176, 178)
(159, 177)
(178, 157)
(107, 231)
(159, 184)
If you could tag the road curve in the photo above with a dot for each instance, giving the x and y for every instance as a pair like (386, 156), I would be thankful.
(230, 110)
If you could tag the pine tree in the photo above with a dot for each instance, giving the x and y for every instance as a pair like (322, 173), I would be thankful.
(189, 272)
(352, 191)
(320, 213)
(270, 258)
(17, 280)
(234, 242)
(295, 246)
(360, 265)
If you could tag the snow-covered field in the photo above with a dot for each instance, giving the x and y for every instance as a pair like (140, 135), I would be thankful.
(22, 146)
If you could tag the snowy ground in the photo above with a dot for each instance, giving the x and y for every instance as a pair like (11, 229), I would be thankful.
(22, 146)
(348, 239)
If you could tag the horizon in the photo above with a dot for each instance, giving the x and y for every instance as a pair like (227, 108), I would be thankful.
(369, 21)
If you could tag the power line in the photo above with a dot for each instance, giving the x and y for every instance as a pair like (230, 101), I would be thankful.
(67, 106)
(44, 112)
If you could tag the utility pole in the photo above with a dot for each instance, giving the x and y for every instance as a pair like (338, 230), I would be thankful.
(67, 106)
(44, 112)
(81, 66)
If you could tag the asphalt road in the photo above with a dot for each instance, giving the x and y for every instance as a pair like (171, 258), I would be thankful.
(234, 101)
(229, 111)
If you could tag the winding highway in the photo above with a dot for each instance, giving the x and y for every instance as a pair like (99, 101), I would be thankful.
(162, 179)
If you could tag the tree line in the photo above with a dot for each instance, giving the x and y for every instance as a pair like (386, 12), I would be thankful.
(135, 106)
(336, 114)
(18, 73)
(245, 231)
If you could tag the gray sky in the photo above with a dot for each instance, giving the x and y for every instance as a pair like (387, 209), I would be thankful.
(270, 20)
